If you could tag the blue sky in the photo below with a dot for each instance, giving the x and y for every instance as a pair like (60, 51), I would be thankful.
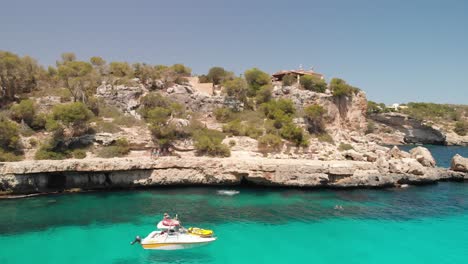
(397, 51)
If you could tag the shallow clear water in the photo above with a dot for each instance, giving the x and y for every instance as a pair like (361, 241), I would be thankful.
(425, 224)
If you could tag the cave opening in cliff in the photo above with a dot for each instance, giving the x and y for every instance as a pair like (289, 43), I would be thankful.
(56, 181)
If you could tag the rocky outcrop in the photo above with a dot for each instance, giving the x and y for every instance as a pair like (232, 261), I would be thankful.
(423, 156)
(44, 176)
(459, 163)
(415, 131)
(455, 139)
(343, 113)
(198, 102)
(124, 97)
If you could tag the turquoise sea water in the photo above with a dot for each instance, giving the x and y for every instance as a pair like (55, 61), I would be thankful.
(425, 224)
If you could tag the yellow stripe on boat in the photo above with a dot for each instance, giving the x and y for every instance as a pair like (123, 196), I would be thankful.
(148, 246)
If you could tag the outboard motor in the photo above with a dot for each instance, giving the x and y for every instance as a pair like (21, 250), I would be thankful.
(137, 240)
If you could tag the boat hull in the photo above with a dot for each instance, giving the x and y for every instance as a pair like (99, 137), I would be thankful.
(158, 241)
(173, 246)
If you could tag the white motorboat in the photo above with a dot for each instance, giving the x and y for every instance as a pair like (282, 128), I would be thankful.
(171, 236)
(172, 240)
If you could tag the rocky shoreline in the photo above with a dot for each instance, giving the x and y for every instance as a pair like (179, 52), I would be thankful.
(30, 177)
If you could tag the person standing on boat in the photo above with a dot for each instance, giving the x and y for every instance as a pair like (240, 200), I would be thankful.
(166, 216)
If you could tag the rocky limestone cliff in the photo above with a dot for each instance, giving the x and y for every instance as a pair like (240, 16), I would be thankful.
(124, 97)
(411, 130)
(46, 176)
(344, 114)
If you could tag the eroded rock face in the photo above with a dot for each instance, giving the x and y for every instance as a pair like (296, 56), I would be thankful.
(459, 163)
(455, 139)
(126, 98)
(44, 176)
(414, 130)
(347, 113)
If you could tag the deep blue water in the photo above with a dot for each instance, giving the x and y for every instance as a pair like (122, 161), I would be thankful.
(424, 224)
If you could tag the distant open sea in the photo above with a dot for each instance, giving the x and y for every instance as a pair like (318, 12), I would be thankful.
(424, 224)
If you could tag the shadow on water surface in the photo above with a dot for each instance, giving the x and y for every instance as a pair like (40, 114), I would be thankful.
(161, 256)
(202, 206)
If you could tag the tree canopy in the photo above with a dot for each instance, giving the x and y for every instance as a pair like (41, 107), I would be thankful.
(313, 83)
(255, 79)
(17, 75)
(340, 88)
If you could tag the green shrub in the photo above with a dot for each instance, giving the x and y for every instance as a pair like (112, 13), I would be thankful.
(163, 134)
(236, 88)
(370, 127)
(252, 130)
(127, 121)
(158, 115)
(278, 107)
(108, 111)
(209, 142)
(47, 151)
(234, 128)
(255, 79)
(218, 75)
(203, 79)
(223, 114)
(374, 108)
(294, 134)
(461, 128)
(119, 149)
(232, 143)
(313, 83)
(181, 69)
(9, 156)
(315, 114)
(155, 100)
(24, 111)
(26, 131)
(430, 111)
(269, 143)
(121, 69)
(39, 121)
(74, 114)
(264, 94)
(9, 135)
(345, 146)
(79, 153)
(18, 75)
(289, 80)
(33, 142)
(107, 127)
(340, 88)
(325, 137)
(181, 80)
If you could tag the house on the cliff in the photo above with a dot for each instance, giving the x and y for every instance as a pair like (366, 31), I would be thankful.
(278, 76)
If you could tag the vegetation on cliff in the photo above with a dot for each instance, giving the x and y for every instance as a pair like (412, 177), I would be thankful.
(57, 111)
(448, 117)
